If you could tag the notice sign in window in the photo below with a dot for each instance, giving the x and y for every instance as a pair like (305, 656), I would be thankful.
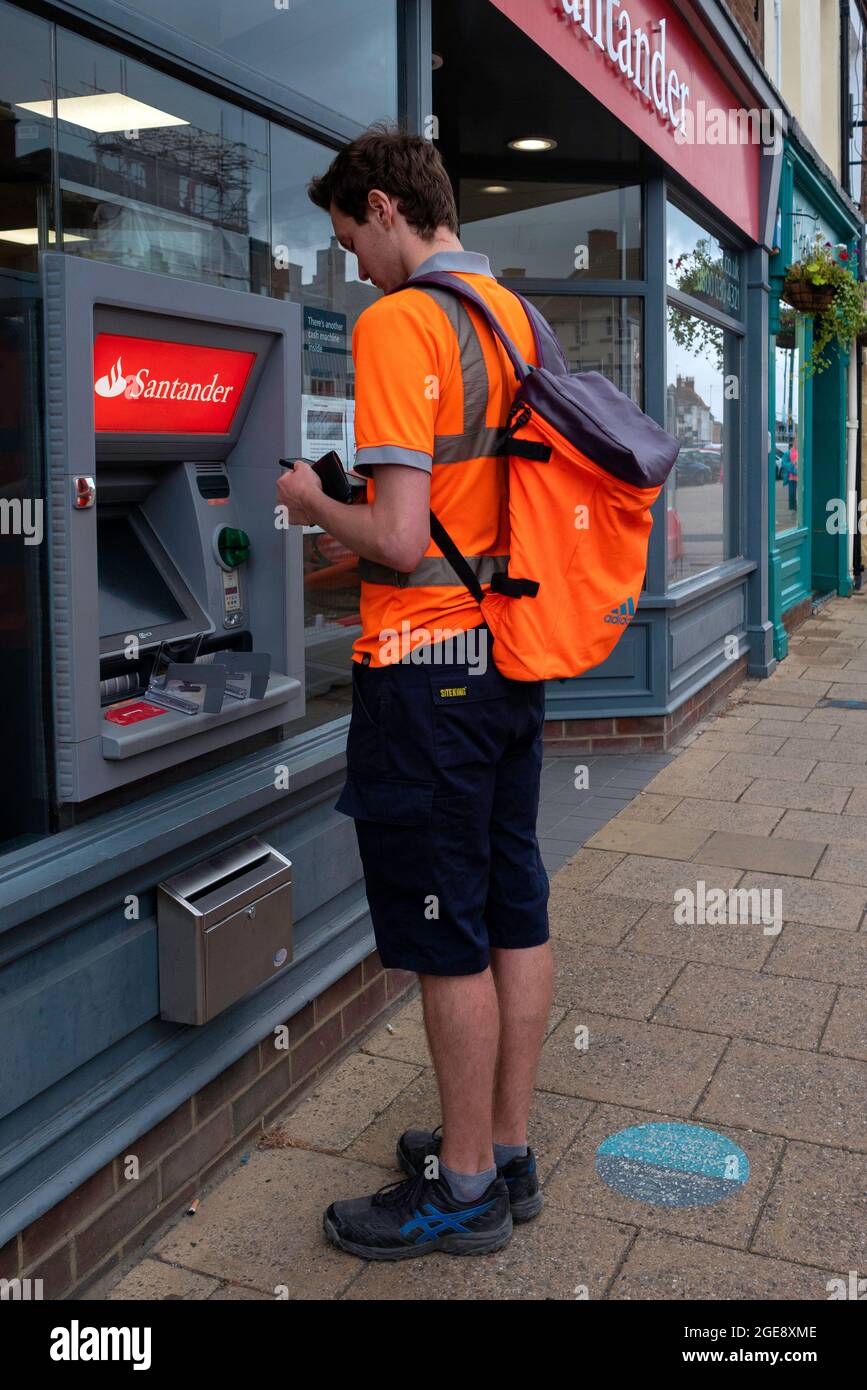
(147, 386)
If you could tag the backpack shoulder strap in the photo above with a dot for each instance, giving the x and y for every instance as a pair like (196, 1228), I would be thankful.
(547, 345)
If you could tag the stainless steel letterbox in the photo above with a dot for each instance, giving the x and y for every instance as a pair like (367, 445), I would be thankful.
(225, 926)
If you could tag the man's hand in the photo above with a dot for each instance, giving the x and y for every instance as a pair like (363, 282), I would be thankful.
(298, 491)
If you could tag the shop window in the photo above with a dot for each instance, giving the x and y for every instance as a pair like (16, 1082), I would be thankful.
(25, 221)
(311, 268)
(703, 396)
(789, 399)
(702, 409)
(340, 53)
(598, 333)
(698, 264)
(157, 175)
(553, 231)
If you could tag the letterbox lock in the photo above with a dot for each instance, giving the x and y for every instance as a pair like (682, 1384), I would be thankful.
(223, 926)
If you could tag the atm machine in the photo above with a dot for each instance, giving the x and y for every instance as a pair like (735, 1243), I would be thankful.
(169, 404)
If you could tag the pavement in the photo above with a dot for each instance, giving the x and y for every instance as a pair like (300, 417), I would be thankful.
(754, 1029)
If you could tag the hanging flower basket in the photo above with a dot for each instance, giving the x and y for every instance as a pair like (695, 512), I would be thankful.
(786, 338)
(806, 297)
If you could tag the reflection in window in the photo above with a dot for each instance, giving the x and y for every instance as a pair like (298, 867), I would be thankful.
(342, 53)
(789, 387)
(25, 140)
(702, 411)
(312, 269)
(698, 264)
(598, 333)
(556, 231)
(157, 175)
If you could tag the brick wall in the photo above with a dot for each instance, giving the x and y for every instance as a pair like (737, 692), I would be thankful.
(111, 1216)
(749, 14)
(634, 733)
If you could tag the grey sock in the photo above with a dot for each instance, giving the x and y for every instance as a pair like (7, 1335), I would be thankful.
(467, 1187)
(504, 1153)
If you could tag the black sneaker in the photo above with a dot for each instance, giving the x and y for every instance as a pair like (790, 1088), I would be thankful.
(415, 1216)
(520, 1176)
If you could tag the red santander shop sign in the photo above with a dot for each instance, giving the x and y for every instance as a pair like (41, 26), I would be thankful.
(149, 386)
(644, 63)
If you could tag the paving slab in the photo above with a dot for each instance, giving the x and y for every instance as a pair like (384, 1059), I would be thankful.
(743, 946)
(752, 818)
(659, 879)
(262, 1225)
(846, 1034)
(403, 1036)
(598, 918)
(822, 827)
(793, 1093)
(610, 981)
(812, 900)
(843, 864)
(630, 1063)
(746, 1004)
(816, 1212)
(155, 1280)
(640, 837)
(669, 1268)
(776, 852)
(337, 1111)
(588, 868)
(650, 806)
(820, 953)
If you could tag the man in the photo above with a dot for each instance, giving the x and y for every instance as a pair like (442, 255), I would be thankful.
(443, 754)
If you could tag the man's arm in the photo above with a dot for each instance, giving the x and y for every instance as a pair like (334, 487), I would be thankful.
(393, 529)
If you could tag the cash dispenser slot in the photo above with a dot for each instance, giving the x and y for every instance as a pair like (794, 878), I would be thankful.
(225, 927)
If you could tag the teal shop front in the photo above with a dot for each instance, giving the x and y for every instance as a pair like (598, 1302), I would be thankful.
(808, 412)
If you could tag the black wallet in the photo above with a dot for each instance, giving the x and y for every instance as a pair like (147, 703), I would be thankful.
(331, 474)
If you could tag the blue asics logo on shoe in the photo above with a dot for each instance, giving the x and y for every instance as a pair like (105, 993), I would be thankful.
(624, 613)
(430, 1222)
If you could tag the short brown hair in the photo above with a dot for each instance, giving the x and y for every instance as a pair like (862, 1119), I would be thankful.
(406, 167)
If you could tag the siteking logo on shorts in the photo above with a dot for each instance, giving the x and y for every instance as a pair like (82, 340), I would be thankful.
(622, 613)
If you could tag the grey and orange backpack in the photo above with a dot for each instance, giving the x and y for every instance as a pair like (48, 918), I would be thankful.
(585, 465)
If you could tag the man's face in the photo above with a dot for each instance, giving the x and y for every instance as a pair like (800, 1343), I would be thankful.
(374, 244)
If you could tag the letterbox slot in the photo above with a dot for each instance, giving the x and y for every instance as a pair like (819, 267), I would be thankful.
(231, 877)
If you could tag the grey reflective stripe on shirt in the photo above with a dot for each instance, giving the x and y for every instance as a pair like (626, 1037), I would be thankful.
(433, 570)
(476, 440)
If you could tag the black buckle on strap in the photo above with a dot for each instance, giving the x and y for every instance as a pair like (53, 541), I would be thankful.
(501, 583)
(529, 449)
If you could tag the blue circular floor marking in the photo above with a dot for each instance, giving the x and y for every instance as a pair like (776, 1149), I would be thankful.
(672, 1165)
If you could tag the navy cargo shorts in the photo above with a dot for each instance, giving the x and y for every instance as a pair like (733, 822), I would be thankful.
(443, 767)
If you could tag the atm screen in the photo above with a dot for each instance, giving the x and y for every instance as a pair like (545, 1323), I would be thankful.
(132, 592)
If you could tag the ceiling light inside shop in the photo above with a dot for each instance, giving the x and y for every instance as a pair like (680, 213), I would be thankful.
(533, 143)
(104, 112)
(495, 188)
(29, 236)
(436, 61)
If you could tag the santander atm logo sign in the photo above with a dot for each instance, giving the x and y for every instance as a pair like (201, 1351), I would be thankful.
(149, 386)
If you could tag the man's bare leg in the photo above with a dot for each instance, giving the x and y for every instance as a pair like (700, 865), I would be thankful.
(462, 1023)
(524, 981)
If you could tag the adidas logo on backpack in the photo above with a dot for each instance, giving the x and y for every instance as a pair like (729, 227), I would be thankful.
(624, 614)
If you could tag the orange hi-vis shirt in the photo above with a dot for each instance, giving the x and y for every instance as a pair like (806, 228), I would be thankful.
(433, 388)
